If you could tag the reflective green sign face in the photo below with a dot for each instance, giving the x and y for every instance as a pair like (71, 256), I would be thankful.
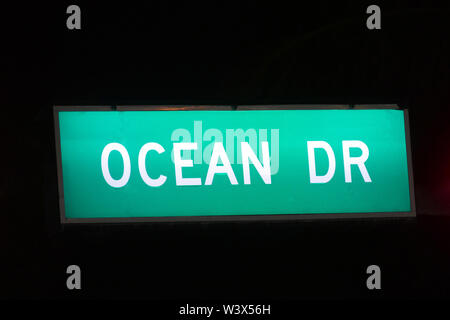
(156, 164)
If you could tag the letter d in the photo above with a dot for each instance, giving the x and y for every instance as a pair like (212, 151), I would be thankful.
(313, 177)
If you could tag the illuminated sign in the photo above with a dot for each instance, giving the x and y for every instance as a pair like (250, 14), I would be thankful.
(167, 164)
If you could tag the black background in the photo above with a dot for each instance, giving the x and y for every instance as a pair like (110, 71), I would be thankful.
(163, 52)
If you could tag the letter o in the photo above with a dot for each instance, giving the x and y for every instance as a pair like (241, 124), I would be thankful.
(126, 165)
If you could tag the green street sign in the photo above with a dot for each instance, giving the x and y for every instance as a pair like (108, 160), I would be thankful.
(183, 164)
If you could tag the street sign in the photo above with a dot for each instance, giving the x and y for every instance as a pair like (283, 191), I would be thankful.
(180, 164)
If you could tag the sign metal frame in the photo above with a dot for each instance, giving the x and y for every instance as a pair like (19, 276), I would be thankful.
(231, 218)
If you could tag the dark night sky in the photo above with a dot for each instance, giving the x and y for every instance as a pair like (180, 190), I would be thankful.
(163, 52)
